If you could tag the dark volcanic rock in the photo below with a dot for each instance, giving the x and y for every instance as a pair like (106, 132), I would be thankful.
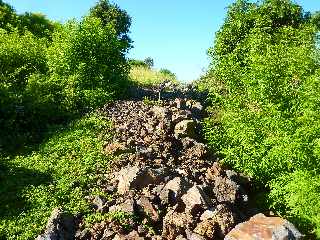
(60, 226)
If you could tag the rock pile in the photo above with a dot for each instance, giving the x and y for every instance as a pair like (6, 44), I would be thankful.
(165, 177)
(158, 135)
(168, 205)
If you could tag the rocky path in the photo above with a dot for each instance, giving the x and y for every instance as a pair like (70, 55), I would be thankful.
(166, 184)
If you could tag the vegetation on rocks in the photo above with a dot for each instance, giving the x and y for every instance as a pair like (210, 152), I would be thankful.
(264, 92)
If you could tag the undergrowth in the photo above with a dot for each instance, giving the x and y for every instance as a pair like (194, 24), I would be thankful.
(60, 173)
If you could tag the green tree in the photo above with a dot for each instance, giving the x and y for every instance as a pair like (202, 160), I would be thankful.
(90, 61)
(8, 16)
(36, 23)
(149, 62)
(112, 15)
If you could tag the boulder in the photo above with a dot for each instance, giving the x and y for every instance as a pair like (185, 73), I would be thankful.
(180, 103)
(193, 236)
(129, 206)
(135, 178)
(174, 224)
(181, 237)
(206, 228)
(173, 190)
(100, 204)
(134, 235)
(185, 128)
(108, 234)
(180, 116)
(195, 200)
(148, 208)
(214, 171)
(225, 219)
(197, 151)
(160, 112)
(266, 228)
(197, 106)
(83, 234)
(225, 189)
(208, 214)
(59, 226)
(115, 148)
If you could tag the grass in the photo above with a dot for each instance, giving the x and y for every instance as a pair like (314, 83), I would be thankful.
(60, 173)
(149, 77)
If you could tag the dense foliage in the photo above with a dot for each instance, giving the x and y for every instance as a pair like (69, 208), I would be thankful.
(51, 71)
(264, 88)
(36, 23)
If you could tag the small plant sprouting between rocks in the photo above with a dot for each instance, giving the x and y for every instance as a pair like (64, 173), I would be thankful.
(150, 102)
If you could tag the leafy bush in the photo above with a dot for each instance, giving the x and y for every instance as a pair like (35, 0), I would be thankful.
(264, 89)
(297, 195)
(89, 60)
(61, 173)
(20, 57)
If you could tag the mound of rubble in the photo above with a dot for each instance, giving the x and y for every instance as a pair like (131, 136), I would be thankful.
(165, 177)
(165, 184)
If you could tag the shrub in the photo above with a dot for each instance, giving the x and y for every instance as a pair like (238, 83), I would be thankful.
(264, 89)
(90, 60)
(137, 63)
(167, 72)
(8, 17)
(148, 77)
(20, 57)
(297, 195)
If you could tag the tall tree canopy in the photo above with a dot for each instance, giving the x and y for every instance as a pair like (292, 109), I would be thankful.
(113, 15)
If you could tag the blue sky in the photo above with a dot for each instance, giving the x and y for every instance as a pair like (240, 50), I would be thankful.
(175, 33)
